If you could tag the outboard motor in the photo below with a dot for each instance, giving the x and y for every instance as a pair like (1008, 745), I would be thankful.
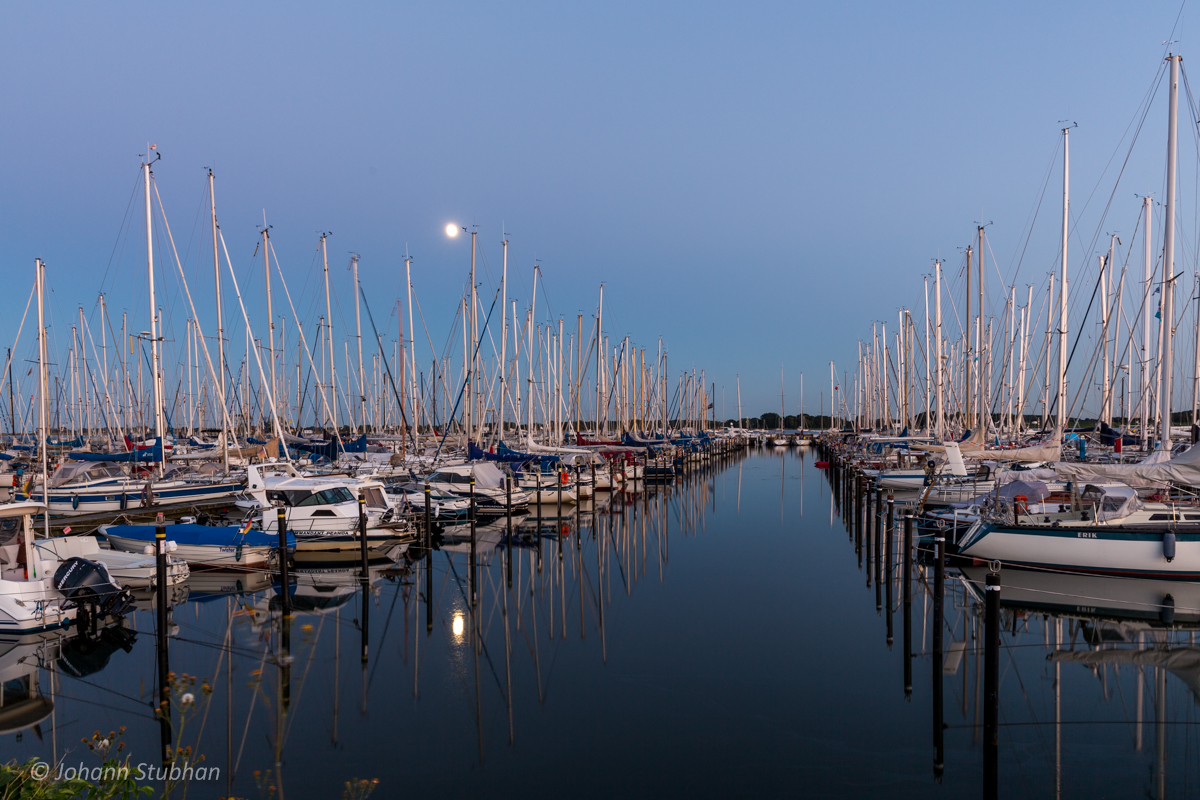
(87, 583)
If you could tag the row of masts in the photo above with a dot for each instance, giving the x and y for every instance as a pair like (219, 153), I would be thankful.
(985, 373)
(535, 384)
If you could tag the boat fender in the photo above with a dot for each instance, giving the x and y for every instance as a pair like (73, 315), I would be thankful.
(125, 499)
(1167, 611)
(1169, 546)
(237, 556)
(75, 502)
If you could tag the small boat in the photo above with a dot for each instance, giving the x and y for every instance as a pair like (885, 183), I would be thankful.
(29, 600)
(131, 570)
(204, 546)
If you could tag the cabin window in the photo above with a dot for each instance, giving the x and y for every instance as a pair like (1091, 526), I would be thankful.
(328, 497)
(9, 528)
(1161, 517)
(289, 498)
(375, 497)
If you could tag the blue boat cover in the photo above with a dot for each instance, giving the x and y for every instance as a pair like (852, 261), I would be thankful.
(505, 454)
(152, 454)
(203, 535)
(330, 449)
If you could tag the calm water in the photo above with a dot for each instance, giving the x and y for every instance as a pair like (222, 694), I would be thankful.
(713, 638)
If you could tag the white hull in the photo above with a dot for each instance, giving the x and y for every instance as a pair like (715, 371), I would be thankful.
(1105, 550)
(209, 556)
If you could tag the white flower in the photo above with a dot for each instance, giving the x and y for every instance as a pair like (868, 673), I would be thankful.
(103, 743)
(187, 699)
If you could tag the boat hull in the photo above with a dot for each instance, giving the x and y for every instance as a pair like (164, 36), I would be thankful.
(1097, 550)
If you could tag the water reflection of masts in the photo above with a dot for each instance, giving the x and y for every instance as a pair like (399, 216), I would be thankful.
(1057, 711)
(507, 639)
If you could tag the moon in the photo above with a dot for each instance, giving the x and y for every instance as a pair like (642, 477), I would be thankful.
(451, 230)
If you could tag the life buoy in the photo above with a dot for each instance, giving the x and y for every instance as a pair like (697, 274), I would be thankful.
(565, 529)
(563, 477)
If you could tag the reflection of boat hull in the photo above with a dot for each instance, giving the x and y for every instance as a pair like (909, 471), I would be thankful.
(1101, 549)
(213, 583)
(1095, 596)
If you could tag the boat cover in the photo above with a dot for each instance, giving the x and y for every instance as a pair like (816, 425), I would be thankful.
(201, 535)
(151, 454)
(1157, 470)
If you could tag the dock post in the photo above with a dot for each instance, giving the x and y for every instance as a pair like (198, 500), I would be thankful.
(474, 562)
(164, 671)
(906, 594)
(888, 571)
(991, 685)
(938, 623)
(366, 574)
(281, 528)
(428, 565)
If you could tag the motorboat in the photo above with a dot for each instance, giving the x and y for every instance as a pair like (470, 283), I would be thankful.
(131, 570)
(321, 510)
(29, 600)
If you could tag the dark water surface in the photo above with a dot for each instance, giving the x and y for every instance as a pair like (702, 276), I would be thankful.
(711, 638)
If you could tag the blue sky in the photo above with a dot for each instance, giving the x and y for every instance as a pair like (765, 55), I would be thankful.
(755, 183)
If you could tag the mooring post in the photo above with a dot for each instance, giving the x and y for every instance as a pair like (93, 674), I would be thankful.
(282, 554)
(474, 561)
(428, 564)
(906, 590)
(938, 623)
(888, 571)
(991, 685)
(164, 669)
(362, 535)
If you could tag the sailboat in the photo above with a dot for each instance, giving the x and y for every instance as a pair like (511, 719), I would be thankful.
(779, 440)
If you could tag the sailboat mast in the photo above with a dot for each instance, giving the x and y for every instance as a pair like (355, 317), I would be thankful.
(362, 387)
(1168, 276)
(412, 344)
(472, 416)
(154, 366)
(43, 390)
(1063, 285)
(600, 363)
(212, 200)
(937, 338)
(329, 333)
(503, 340)
(968, 403)
(1144, 428)
(983, 386)
(266, 245)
